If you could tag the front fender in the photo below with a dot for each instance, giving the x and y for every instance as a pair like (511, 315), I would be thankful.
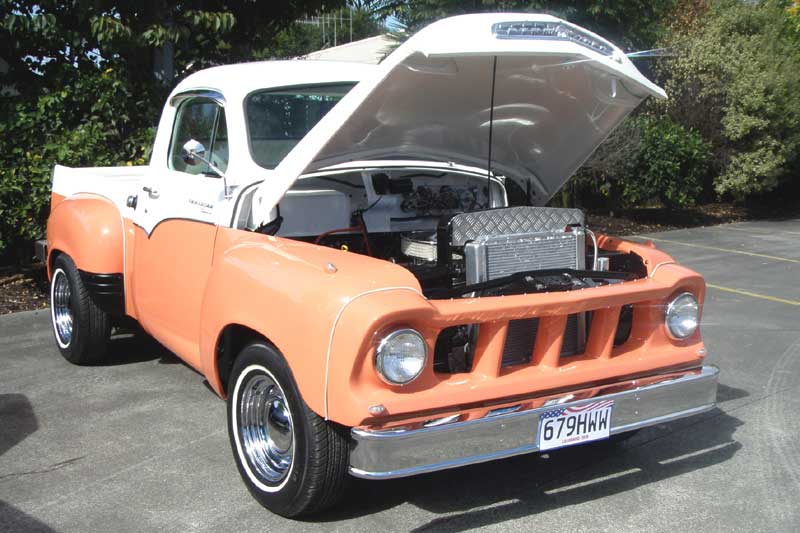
(89, 228)
(292, 293)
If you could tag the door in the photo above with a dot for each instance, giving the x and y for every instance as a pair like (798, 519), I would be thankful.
(176, 224)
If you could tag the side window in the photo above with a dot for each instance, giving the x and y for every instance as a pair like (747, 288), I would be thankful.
(204, 121)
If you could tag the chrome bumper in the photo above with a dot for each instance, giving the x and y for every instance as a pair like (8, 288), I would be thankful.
(504, 432)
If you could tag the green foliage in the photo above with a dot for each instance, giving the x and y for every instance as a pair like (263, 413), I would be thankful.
(793, 12)
(88, 96)
(98, 118)
(37, 37)
(629, 23)
(299, 39)
(648, 159)
(669, 164)
(735, 80)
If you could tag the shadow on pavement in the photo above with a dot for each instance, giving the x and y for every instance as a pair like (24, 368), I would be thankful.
(499, 491)
(726, 393)
(137, 348)
(12, 519)
(17, 421)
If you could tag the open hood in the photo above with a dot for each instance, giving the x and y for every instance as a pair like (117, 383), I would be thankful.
(528, 96)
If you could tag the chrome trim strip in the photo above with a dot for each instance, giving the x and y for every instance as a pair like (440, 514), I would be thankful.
(215, 96)
(407, 451)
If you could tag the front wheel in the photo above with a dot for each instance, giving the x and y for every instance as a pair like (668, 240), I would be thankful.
(292, 461)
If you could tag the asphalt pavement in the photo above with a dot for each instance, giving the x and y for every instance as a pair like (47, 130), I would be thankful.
(140, 444)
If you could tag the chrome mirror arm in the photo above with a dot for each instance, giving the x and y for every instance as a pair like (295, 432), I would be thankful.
(194, 151)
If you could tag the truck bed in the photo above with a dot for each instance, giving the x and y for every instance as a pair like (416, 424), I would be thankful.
(114, 183)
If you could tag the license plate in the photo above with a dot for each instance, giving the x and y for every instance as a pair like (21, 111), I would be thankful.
(567, 426)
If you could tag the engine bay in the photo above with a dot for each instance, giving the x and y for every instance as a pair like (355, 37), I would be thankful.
(454, 230)
(462, 235)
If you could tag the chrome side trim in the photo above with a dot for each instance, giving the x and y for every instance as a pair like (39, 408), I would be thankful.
(416, 449)
(211, 94)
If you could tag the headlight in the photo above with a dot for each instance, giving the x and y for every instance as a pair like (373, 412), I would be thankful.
(682, 316)
(401, 356)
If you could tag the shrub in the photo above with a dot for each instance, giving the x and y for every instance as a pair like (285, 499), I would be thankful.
(734, 78)
(97, 118)
(648, 159)
(669, 165)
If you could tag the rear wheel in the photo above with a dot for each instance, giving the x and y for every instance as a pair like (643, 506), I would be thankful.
(81, 329)
(292, 461)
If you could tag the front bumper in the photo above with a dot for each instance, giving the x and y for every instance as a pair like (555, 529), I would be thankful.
(513, 430)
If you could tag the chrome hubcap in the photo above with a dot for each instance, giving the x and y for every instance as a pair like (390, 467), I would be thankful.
(265, 425)
(62, 312)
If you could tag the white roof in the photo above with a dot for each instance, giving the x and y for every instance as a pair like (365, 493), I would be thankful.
(235, 81)
(370, 50)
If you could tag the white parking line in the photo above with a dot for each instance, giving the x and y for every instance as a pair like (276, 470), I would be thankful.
(758, 231)
(718, 249)
(753, 294)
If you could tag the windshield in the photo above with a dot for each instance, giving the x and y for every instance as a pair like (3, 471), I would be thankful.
(278, 119)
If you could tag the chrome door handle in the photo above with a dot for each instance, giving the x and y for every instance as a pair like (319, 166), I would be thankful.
(151, 191)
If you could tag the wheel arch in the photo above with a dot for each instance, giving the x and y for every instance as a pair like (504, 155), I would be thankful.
(89, 229)
(286, 292)
(230, 342)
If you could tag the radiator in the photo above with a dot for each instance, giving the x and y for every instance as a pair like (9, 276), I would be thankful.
(489, 257)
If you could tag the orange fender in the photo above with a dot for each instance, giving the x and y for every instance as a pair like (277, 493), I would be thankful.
(88, 228)
(292, 293)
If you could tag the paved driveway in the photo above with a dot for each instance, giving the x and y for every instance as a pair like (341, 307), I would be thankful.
(140, 444)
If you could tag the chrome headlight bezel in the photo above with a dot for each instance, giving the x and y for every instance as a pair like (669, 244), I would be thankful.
(671, 312)
(382, 353)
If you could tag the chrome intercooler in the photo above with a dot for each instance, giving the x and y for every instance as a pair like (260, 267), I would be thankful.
(502, 242)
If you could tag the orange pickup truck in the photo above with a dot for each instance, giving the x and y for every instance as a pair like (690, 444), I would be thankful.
(360, 260)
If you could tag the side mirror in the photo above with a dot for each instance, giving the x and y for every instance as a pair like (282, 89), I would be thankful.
(193, 152)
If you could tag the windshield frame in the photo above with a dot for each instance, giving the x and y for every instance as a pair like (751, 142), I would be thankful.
(283, 89)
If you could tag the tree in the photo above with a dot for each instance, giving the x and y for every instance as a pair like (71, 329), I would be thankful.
(632, 24)
(734, 78)
(85, 76)
(42, 35)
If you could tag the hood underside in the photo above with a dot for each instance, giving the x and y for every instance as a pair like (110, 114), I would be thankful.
(527, 107)
(547, 118)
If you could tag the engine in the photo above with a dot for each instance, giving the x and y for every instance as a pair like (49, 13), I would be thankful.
(472, 249)
(481, 246)
(454, 232)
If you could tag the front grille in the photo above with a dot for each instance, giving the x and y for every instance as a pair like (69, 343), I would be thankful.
(519, 341)
(455, 348)
(499, 256)
(521, 338)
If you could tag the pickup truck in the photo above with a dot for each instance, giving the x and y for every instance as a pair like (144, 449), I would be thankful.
(360, 259)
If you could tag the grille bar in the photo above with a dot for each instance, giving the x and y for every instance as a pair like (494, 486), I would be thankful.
(521, 339)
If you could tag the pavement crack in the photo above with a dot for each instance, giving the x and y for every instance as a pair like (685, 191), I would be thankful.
(51, 468)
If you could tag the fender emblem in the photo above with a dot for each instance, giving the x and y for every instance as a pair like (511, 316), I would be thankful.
(201, 204)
